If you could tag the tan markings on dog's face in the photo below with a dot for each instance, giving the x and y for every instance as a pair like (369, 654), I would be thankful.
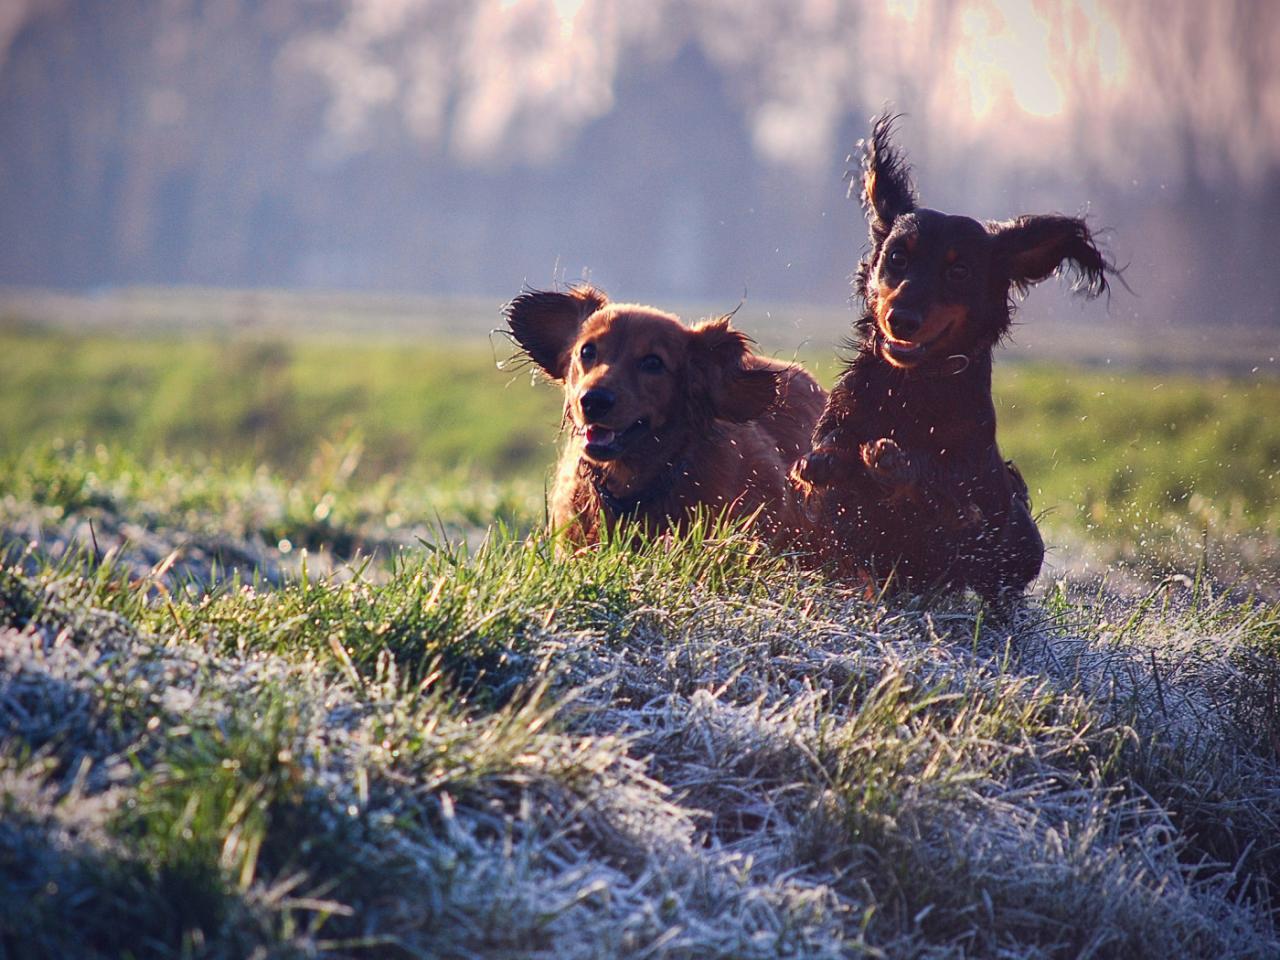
(639, 356)
(884, 294)
(944, 329)
(944, 325)
(932, 269)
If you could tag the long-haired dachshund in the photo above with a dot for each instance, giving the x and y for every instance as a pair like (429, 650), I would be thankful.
(905, 474)
(664, 418)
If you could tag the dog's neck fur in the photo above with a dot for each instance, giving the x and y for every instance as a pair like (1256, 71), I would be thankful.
(914, 405)
(973, 362)
(941, 378)
(637, 497)
(643, 477)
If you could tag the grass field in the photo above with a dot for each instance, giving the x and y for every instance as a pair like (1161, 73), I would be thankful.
(287, 669)
(1156, 471)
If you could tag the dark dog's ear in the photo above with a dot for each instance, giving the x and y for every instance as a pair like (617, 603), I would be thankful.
(1033, 248)
(887, 192)
(720, 377)
(546, 324)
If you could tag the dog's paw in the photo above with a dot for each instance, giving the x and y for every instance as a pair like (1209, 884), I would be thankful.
(816, 468)
(963, 516)
(887, 461)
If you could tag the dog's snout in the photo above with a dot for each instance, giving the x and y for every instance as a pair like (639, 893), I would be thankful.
(597, 402)
(904, 322)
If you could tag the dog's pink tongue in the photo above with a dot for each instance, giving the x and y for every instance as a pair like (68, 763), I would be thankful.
(597, 435)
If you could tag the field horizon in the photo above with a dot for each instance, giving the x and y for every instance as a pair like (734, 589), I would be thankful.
(1049, 329)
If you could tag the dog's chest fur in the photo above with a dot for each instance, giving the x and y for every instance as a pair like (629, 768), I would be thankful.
(941, 415)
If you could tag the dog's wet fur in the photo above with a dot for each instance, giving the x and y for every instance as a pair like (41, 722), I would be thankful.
(905, 475)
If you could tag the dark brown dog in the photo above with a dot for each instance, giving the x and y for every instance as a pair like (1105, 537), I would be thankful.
(905, 472)
(664, 418)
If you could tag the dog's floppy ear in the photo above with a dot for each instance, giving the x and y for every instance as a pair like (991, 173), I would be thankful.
(1033, 248)
(720, 377)
(887, 192)
(546, 323)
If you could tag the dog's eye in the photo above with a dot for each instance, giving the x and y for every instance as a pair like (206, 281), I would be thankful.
(957, 273)
(898, 259)
(651, 363)
(587, 352)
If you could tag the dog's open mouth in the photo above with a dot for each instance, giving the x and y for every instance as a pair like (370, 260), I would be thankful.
(603, 443)
(908, 354)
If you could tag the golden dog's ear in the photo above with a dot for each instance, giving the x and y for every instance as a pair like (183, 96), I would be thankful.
(721, 377)
(546, 323)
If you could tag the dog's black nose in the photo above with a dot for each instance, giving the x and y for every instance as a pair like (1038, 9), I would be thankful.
(596, 403)
(904, 322)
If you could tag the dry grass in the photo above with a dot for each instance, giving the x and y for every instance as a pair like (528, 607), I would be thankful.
(691, 751)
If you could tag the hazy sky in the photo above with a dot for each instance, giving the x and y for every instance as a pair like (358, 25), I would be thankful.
(689, 149)
(1124, 87)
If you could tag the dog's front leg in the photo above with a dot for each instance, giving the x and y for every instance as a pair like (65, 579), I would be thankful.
(827, 463)
(890, 465)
